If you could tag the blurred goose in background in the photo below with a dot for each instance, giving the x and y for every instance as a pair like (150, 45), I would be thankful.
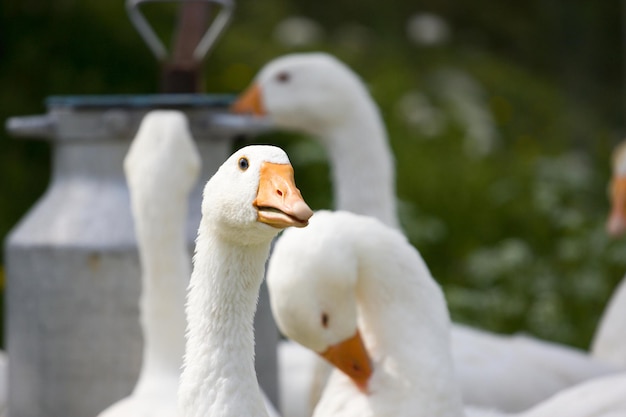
(604, 396)
(358, 293)
(245, 204)
(609, 341)
(317, 94)
(161, 167)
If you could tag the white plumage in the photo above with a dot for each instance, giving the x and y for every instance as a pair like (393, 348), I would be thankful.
(609, 341)
(162, 166)
(347, 273)
(245, 204)
(352, 273)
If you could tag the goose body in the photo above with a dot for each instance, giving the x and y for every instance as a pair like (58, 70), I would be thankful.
(530, 370)
(356, 278)
(245, 204)
(317, 94)
(598, 397)
(609, 341)
(161, 167)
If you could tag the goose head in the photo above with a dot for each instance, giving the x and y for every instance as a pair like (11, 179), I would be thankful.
(312, 278)
(253, 194)
(163, 158)
(303, 91)
(616, 224)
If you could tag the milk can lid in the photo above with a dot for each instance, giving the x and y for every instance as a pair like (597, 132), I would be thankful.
(145, 101)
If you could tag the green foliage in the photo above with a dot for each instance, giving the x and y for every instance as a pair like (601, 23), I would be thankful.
(502, 135)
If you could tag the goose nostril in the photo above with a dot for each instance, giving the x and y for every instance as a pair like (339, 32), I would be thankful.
(279, 192)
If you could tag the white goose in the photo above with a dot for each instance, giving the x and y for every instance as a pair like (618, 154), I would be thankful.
(356, 292)
(317, 94)
(162, 166)
(245, 204)
(609, 341)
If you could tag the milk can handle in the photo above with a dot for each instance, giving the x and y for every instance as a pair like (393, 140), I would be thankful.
(207, 41)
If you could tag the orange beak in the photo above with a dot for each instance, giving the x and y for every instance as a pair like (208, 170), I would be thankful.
(350, 356)
(278, 201)
(616, 224)
(250, 102)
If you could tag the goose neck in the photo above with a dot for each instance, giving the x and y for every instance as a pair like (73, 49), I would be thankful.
(405, 325)
(219, 359)
(166, 267)
(362, 167)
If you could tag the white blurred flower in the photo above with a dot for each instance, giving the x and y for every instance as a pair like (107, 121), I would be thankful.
(467, 104)
(417, 111)
(490, 264)
(427, 29)
(570, 218)
(570, 170)
(421, 227)
(558, 180)
(546, 197)
(617, 253)
(545, 310)
(504, 190)
(298, 31)
(571, 248)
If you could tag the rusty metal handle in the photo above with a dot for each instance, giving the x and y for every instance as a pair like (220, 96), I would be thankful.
(154, 43)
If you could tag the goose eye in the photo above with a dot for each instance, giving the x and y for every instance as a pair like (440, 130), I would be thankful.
(243, 163)
(325, 320)
(283, 77)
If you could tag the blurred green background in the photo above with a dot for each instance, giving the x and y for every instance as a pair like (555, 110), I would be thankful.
(502, 117)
